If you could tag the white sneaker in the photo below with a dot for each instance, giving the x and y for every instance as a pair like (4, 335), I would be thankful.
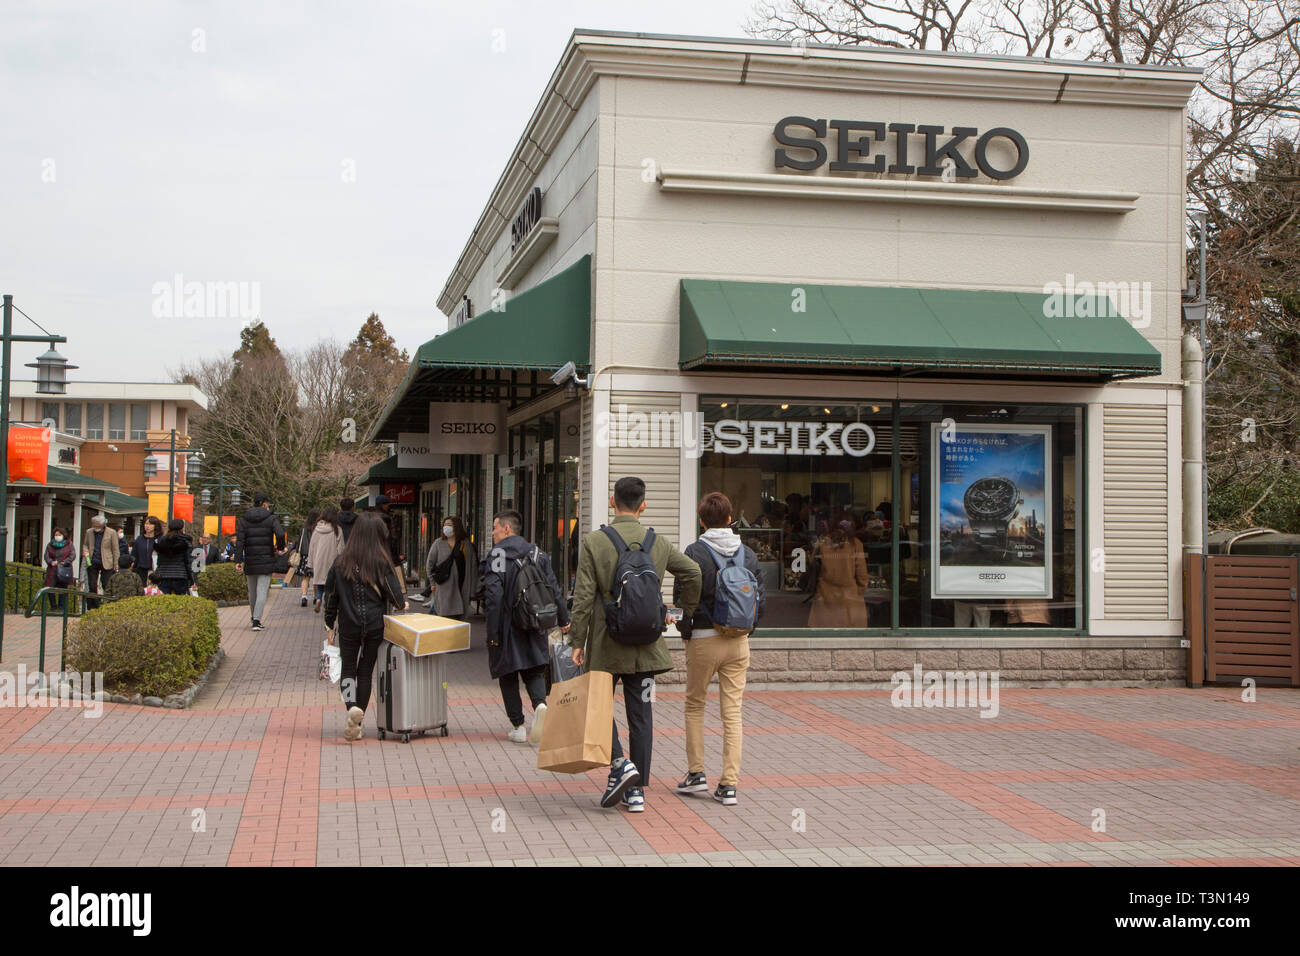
(518, 735)
(539, 718)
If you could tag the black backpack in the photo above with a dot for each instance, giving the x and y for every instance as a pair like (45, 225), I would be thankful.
(635, 612)
(533, 610)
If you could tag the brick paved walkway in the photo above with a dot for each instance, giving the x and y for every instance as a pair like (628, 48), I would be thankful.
(258, 773)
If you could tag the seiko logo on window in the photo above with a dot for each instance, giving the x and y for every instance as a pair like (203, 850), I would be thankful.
(469, 428)
(734, 437)
(855, 143)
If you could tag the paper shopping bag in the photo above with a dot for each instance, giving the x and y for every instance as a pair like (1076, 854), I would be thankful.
(578, 732)
(288, 582)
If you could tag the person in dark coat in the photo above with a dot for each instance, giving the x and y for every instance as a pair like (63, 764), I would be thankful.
(360, 586)
(259, 537)
(142, 548)
(175, 573)
(347, 518)
(515, 656)
(59, 553)
(394, 523)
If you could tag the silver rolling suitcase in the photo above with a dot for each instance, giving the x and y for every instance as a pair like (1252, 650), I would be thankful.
(411, 692)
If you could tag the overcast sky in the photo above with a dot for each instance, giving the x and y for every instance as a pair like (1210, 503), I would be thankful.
(141, 141)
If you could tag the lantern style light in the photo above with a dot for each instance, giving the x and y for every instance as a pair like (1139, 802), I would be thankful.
(150, 466)
(51, 373)
(193, 466)
(234, 497)
(205, 497)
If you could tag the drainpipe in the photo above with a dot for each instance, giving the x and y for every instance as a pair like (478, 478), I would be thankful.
(1194, 529)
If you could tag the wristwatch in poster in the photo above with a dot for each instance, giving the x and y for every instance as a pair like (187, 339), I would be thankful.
(990, 504)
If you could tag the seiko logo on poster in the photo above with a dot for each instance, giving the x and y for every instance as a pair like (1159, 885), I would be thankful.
(469, 428)
(526, 218)
(731, 436)
(854, 153)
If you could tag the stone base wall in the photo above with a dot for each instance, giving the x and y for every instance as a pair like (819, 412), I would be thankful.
(878, 665)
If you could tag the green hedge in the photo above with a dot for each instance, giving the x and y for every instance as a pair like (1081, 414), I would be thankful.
(155, 646)
(221, 582)
(24, 580)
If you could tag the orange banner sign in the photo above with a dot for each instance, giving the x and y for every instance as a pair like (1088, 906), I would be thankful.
(29, 454)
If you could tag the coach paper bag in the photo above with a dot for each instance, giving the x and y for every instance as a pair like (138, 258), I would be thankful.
(578, 731)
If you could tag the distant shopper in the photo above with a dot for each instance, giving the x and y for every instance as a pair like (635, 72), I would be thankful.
(126, 583)
(347, 517)
(259, 537)
(523, 603)
(154, 585)
(60, 567)
(326, 543)
(717, 641)
(99, 549)
(841, 579)
(175, 573)
(360, 587)
(142, 548)
(394, 525)
(452, 567)
(211, 554)
(610, 570)
(304, 550)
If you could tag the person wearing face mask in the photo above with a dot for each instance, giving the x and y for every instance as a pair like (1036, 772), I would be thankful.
(453, 570)
(60, 558)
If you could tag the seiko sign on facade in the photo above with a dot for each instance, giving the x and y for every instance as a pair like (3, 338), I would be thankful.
(855, 144)
(731, 436)
(467, 428)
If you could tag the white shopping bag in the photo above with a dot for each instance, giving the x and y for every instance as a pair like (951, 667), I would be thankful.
(331, 662)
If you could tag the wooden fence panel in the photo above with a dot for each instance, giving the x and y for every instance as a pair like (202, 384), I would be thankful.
(1254, 618)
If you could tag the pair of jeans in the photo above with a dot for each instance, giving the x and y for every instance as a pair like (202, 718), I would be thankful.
(534, 679)
(174, 586)
(359, 653)
(258, 585)
(320, 592)
(638, 697)
(728, 657)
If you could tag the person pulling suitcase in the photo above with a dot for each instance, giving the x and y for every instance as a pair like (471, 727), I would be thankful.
(360, 588)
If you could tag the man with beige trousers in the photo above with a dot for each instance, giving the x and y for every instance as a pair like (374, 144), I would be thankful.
(716, 648)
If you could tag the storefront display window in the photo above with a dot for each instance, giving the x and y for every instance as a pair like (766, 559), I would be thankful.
(916, 516)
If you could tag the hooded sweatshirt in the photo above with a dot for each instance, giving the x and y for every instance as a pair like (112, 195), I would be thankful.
(326, 543)
(725, 543)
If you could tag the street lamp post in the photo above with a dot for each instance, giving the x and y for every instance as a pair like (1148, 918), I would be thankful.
(151, 466)
(51, 379)
(205, 499)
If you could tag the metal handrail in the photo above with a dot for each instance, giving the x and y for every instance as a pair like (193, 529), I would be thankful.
(45, 608)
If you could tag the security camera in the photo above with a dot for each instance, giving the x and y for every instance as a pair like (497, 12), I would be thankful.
(567, 370)
(112, 448)
(568, 373)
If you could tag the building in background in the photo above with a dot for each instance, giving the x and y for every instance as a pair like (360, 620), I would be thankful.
(99, 433)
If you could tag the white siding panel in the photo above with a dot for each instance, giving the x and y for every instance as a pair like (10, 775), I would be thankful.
(1136, 508)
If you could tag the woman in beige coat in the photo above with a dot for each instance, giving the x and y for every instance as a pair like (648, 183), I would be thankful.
(326, 543)
(841, 582)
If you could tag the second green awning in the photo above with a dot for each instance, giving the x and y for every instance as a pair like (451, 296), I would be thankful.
(877, 329)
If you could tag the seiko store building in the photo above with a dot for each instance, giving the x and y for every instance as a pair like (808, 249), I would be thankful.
(916, 314)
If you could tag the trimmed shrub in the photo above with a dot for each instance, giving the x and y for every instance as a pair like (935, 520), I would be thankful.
(221, 582)
(154, 646)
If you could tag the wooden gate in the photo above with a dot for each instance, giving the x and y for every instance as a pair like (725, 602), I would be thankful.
(1253, 619)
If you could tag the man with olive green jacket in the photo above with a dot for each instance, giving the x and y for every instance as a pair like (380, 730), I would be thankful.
(634, 665)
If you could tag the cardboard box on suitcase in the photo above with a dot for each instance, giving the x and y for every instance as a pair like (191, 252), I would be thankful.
(422, 634)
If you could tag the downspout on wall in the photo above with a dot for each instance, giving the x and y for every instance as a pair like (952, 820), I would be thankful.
(1193, 447)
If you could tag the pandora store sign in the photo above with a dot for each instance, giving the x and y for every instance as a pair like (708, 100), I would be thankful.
(861, 146)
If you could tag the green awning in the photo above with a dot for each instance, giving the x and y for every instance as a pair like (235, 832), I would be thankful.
(115, 502)
(387, 470)
(62, 479)
(903, 330)
(498, 355)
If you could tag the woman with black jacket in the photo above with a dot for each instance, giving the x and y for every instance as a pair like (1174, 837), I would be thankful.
(175, 575)
(143, 546)
(360, 588)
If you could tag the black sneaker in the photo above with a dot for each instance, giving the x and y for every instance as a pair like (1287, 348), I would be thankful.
(257, 626)
(620, 778)
(304, 600)
(693, 783)
(725, 795)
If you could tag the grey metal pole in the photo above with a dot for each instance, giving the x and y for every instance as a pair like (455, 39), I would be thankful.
(4, 456)
(171, 476)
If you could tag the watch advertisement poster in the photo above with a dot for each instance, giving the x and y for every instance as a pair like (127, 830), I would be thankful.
(991, 534)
